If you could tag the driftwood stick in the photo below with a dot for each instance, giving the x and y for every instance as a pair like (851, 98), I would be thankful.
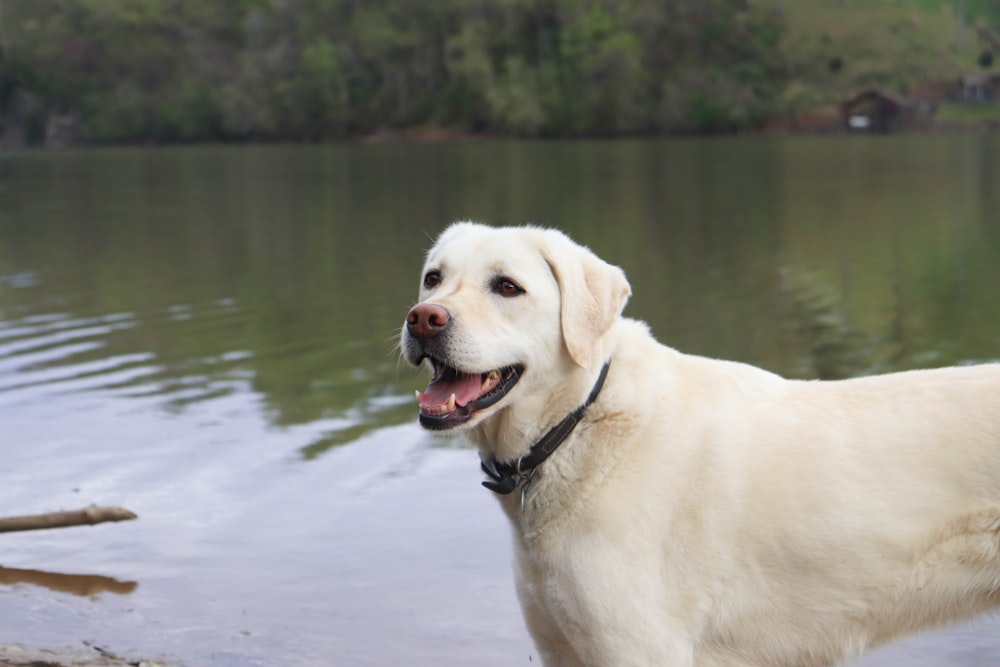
(87, 516)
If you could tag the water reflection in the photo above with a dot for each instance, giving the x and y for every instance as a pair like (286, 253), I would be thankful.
(83, 585)
(815, 313)
(189, 284)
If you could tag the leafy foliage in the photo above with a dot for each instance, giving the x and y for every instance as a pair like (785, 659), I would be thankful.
(186, 70)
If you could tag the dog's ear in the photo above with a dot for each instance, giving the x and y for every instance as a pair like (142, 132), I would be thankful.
(592, 292)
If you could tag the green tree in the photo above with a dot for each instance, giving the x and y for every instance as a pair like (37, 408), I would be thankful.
(186, 70)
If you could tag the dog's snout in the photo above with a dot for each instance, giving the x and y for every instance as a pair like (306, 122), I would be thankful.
(427, 320)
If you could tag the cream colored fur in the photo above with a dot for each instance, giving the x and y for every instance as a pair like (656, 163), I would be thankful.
(709, 513)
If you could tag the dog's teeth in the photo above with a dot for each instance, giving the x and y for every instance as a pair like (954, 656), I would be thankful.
(416, 392)
(451, 403)
(491, 380)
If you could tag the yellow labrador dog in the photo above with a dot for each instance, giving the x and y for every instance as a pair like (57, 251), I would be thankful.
(679, 511)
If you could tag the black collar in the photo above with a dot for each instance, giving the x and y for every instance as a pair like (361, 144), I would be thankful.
(506, 476)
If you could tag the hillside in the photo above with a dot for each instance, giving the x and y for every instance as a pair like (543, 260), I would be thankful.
(835, 47)
(120, 71)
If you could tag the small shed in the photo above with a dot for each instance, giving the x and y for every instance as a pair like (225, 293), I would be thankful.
(878, 110)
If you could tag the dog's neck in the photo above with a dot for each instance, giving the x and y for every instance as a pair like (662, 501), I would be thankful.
(505, 476)
(525, 436)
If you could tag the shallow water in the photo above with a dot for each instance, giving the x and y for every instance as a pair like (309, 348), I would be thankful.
(205, 335)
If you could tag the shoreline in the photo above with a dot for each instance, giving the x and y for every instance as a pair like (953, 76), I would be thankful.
(92, 655)
(820, 122)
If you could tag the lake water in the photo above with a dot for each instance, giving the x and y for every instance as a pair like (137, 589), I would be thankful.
(206, 336)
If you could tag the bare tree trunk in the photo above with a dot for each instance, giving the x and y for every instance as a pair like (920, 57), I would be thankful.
(960, 26)
(84, 517)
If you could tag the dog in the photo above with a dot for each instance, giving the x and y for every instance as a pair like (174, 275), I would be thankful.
(675, 510)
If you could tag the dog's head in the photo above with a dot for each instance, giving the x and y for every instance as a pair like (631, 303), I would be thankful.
(504, 312)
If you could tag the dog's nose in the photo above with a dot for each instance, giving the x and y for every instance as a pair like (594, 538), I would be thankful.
(426, 320)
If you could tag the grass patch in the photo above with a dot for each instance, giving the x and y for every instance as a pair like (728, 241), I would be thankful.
(968, 114)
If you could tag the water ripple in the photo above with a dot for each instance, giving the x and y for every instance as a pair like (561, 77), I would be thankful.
(48, 353)
(26, 335)
(181, 353)
(78, 376)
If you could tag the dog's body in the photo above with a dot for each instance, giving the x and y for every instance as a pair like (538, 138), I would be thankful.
(704, 513)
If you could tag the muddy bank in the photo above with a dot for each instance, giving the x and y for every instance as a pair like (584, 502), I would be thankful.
(16, 655)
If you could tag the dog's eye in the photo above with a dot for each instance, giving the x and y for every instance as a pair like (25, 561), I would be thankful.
(432, 279)
(507, 287)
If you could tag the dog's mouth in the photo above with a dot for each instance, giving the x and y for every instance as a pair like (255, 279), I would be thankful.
(453, 396)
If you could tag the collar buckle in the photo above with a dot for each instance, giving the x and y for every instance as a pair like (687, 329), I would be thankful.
(503, 481)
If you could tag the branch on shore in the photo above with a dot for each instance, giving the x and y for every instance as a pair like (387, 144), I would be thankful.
(84, 517)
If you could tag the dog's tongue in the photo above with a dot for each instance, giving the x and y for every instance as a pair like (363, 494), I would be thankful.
(465, 387)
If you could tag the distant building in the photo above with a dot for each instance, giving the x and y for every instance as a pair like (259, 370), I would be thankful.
(882, 110)
(979, 87)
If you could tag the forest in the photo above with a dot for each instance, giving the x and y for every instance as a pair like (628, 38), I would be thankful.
(158, 71)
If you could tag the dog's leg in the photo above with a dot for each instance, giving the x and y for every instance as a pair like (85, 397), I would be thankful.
(613, 613)
(553, 647)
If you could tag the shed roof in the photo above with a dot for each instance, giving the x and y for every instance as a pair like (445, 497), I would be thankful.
(890, 96)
